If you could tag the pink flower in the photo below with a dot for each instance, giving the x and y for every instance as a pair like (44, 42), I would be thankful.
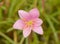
(28, 22)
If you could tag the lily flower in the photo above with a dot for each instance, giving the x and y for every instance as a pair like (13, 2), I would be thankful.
(29, 21)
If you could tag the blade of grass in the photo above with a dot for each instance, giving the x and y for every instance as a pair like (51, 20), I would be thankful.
(3, 7)
(14, 7)
(22, 40)
(47, 35)
(52, 27)
(18, 5)
(7, 21)
(51, 17)
(36, 41)
(10, 29)
(6, 37)
(56, 13)
(3, 22)
(13, 2)
(1, 14)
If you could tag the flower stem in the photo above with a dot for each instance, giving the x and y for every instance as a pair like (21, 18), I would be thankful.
(30, 38)
(26, 41)
(15, 37)
(35, 3)
(22, 40)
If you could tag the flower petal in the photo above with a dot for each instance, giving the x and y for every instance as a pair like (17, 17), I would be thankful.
(26, 32)
(23, 14)
(38, 30)
(34, 13)
(37, 22)
(18, 24)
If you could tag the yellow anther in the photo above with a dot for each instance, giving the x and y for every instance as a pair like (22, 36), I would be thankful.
(29, 23)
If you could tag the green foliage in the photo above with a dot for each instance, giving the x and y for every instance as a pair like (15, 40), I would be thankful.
(50, 17)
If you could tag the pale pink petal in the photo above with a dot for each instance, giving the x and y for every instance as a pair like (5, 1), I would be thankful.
(38, 30)
(24, 15)
(34, 13)
(37, 22)
(18, 24)
(26, 32)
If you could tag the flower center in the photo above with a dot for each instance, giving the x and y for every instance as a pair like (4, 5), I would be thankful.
(29, 23)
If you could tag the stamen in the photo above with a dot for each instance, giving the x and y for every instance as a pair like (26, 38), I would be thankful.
(29, 23)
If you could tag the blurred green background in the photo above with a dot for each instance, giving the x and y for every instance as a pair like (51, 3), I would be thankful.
(50, 15)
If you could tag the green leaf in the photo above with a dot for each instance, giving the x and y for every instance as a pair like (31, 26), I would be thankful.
(52, 28)
(10, 29)
(56, 21)
(1, 14)
(36, 41)
(6, 37)
(13, 3)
